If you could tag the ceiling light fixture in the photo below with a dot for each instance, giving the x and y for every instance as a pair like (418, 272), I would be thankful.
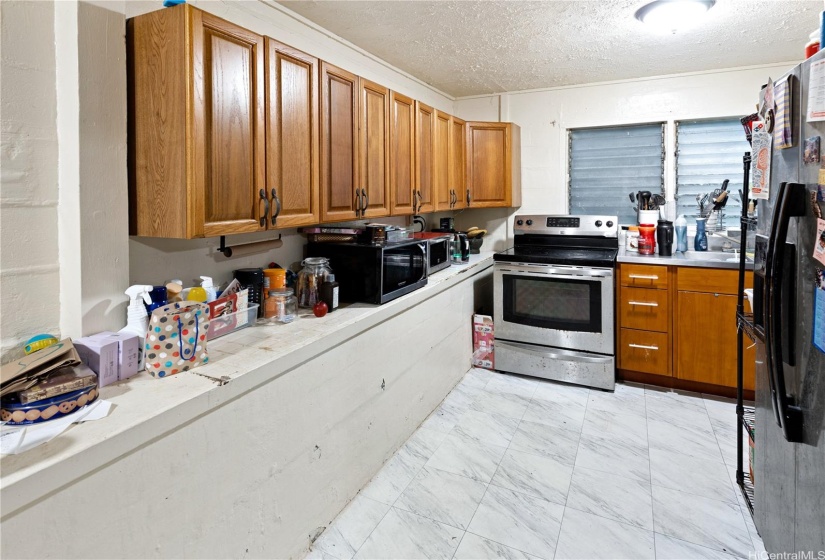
(673, 15)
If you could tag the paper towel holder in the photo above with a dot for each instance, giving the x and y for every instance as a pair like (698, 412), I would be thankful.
(227, 251)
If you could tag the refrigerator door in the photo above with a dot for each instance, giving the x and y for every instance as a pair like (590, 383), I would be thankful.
(810, 389)
(775, 457)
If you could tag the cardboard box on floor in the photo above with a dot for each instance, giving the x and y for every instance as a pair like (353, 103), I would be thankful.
(483, 338)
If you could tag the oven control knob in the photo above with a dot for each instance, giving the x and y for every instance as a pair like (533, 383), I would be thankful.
(610, 223)
(598, 223)
(520, 223)
(529, 222)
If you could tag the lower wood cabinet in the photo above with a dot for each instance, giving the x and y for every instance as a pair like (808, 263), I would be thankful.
(678, 324)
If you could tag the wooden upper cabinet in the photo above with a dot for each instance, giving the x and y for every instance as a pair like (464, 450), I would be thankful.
(196, 127)
(425, 157)
(402, 154)
(339, 144)
(494, 166)
(458, 162)
(292, 136)
(442, 191)
(375, 149)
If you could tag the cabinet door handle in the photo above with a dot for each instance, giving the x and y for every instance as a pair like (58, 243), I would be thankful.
(357, 203)
(644, 303)
(454, 198)
(277, 208)
(262, 194)
(643, 277)
(643, 347)
(468, 197)
(366, 199)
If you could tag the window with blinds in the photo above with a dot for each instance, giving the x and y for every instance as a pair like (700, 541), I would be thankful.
(607, 164)
(707, 153)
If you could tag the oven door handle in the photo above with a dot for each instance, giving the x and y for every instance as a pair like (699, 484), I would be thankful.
(556, 271)
(556, 353)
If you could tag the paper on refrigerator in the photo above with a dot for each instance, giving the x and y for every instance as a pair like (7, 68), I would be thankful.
(761, 164)
(816, 92)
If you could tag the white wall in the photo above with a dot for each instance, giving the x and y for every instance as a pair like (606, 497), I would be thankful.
(545, 116)
(29, 269)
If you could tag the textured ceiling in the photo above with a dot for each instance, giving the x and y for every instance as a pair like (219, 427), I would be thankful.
(473, 47)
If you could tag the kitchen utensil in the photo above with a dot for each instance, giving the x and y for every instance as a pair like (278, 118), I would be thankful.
(632, 198)
(721, 200)
(725, 184)
(658, 201)
(645, 200)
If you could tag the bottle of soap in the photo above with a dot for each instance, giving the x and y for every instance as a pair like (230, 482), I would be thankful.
(137, 318)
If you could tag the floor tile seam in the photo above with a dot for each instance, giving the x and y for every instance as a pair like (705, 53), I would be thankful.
(575, 459)
(452, 473)
(539, 455)
(736, 504)
(558, 536)
(523, 493)
(729, 552)
(470, 523)
(431, 518)
(745, 512)
(614, 519)
(389, 509)
(461, 540)
(502, 544)
(690, 542)
(720, 461)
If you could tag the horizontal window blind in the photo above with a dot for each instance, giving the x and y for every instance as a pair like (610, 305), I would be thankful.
(707, 153)
(607, 164)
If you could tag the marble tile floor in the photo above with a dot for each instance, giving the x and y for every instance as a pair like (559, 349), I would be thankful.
(515, 467)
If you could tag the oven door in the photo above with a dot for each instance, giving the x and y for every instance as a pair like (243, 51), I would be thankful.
(552, 305)
(403, 270)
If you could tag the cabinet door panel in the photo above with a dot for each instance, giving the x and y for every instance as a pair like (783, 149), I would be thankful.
(375, 149)
(706, 340)
(644, 351)
(402, 154)
(644, 309)
(339, 143)
(458, 162)
(292, 124)
(441, 164)
(231, 67)
(425, 156)
(488, 165)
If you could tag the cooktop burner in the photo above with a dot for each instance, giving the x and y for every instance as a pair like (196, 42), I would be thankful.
(563, 240)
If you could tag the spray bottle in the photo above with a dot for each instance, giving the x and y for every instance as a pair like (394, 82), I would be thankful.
(211, 292)
(137, 318)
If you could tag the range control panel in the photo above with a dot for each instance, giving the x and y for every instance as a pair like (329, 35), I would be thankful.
(593, 226)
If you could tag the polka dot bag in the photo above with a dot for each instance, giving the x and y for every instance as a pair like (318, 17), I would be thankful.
(176, 339)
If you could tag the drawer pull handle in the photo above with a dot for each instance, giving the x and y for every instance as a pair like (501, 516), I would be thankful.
(643, 277)
(644, 303)
(643, 347)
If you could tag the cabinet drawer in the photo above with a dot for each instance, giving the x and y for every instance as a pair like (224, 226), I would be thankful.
(644, 309)
(644, 351)
(644, 276)
(710, 280)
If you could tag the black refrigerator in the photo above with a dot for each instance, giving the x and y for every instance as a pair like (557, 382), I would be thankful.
(789, 450)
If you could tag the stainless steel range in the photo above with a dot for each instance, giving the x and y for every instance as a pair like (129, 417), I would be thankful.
(554, 302)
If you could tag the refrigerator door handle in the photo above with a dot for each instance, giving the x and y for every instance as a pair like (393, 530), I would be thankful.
(790, 203)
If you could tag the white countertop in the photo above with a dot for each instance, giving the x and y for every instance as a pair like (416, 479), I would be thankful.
(146, 407)
(714, 259)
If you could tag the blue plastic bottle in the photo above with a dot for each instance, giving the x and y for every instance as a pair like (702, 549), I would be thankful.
(680, 226)
(700, 242)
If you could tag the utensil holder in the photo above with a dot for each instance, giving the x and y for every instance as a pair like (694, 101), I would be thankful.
(648, 217)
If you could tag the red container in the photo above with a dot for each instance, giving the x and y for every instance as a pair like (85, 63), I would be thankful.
(647, 239)
(811, 49)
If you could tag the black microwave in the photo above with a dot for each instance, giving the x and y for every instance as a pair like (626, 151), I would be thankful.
(373, 273)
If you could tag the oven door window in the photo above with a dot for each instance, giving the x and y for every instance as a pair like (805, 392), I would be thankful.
(403, 266)
(553, 303)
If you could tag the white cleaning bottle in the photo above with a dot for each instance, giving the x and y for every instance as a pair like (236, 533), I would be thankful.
(211, 292)
(137, 319)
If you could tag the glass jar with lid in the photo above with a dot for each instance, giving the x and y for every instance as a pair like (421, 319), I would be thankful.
(281, 306)
(314, 273)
